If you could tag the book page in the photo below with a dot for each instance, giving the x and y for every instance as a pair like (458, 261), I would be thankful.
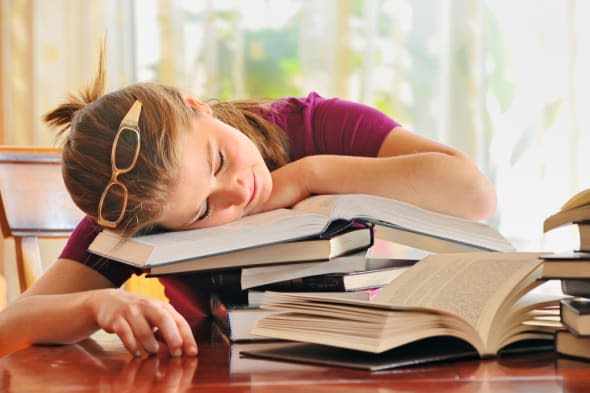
(580, 199)
(318, 204)
(470, 285)
(259, 229)
(389, 212)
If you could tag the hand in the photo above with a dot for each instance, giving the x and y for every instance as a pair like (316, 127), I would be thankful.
(141, 321)
(289, 186)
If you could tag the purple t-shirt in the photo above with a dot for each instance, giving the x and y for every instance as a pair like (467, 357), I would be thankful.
(314, 125)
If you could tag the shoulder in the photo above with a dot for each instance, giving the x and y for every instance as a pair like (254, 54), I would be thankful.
(320, 125)
(77, 245)
(76, 249)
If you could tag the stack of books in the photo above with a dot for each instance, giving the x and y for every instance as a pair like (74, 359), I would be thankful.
(573, 269)
(319, 246)
(239, 295)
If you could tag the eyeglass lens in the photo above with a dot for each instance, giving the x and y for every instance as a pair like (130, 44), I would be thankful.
(114, 200)
(125, 148)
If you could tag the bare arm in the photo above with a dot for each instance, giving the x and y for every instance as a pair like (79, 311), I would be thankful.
(409, 167)
(71, 301)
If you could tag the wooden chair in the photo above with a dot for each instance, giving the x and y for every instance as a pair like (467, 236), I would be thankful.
(34, 204)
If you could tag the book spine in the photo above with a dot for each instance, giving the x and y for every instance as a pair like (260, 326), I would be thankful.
(227, 284)
(325, 283)
(220, 313)
(576, 287)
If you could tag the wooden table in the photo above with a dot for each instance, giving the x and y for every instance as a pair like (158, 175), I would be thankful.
(102, 365)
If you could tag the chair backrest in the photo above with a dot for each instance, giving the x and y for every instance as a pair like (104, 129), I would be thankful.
(34, 204)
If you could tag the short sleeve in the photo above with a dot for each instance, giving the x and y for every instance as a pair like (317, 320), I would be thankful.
(77, 249)
(318, 125)
(349, 128)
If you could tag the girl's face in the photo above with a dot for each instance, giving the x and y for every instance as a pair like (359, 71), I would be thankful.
(222, 177)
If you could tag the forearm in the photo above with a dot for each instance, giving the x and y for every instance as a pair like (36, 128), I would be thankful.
(55, 319)
(441, 182)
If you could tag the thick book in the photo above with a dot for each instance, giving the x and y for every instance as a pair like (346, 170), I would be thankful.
(236, 363)
(259, 297)
(237, 320)
(584, 234)
(315, 249)
(252, 277)
(575, 315)
(576, 287)
(340, 282)
(569, 344)
(576, 209)
(420, 243)
(319, 215)
(566, 265)
(481, 298)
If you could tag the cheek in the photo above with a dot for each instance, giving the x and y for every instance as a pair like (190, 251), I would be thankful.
(244, 149)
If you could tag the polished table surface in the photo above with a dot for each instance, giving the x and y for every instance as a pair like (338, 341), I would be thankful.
(101, 364)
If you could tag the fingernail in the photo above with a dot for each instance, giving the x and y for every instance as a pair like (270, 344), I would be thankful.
(192, 351)
(137, 353)
(177, 353)
(154, 348)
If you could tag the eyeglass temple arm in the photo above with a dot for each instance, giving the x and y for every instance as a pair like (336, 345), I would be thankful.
(132, 117)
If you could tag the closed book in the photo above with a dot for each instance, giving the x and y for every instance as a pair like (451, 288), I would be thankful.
(566, 265)
(570, 344)
(481, 298)
(576, 287)
(261, 298)
(239, 364)
(316, 216)
(575, 314)
(339, 282)
(237, 320)
(584, 231)
(252, 277)
(421, 243)
(316, 249)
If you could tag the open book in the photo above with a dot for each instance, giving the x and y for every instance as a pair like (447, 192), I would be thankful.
(317, 216)
(483, 299)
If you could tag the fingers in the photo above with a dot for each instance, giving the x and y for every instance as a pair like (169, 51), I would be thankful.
(122, 329)
(174, 331)
(143, 331)
(140, 322)
(186, 333)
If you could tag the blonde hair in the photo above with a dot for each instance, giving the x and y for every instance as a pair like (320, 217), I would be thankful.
(89, 120)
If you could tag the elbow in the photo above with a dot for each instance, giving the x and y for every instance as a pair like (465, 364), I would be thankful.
(481, 198)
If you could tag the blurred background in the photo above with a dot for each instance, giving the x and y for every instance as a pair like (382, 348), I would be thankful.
(502, 80)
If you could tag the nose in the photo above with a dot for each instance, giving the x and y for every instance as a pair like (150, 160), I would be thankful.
(233, 193)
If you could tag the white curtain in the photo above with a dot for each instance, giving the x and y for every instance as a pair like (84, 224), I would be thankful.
(47, 49)
(50, 48)
(499, 79)
(504, 81)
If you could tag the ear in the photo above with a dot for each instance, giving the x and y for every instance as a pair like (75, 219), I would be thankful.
(200, 106)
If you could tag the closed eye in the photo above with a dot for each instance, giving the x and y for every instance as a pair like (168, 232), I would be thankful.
(222, 162)
(205, 214)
